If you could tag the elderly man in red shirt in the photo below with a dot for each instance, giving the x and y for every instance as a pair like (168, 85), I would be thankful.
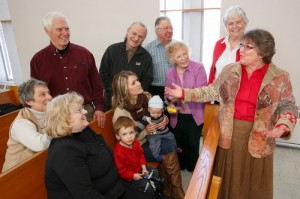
(68, 67)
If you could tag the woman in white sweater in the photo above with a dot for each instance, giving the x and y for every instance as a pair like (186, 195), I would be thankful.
(27, 136)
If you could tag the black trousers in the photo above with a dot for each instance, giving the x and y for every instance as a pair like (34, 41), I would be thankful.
(187, 135)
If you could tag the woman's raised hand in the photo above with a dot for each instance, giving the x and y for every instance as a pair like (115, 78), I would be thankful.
(176, 92)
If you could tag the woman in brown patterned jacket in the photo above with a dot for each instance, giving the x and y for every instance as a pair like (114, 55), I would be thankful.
(256, 107)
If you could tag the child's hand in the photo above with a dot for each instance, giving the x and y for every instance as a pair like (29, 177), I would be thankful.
(137, 176)
(145, 172)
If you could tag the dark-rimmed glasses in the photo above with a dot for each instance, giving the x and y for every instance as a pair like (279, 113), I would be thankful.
(246, 46)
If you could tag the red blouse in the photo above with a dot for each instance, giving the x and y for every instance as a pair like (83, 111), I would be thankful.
(245, 102)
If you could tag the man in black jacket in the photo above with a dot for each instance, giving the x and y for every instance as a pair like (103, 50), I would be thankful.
(127, 55)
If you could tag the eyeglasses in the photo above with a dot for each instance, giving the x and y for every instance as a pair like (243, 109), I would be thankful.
(246, 46)
(80, 109)
(166, 28)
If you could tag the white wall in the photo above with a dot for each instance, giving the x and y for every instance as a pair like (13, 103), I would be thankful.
(94, 24)
(281, 18)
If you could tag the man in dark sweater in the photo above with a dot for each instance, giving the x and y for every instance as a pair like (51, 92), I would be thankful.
(127, 55)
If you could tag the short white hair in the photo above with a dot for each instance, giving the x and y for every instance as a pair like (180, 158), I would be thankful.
(235, 11)
(48, 20)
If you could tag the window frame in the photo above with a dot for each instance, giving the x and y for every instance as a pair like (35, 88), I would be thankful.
(4, 56)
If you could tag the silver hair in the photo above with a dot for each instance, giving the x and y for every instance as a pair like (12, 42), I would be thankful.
(159, 19)
(235, 11)
(48, 20)
(26, 90)
(141, 24)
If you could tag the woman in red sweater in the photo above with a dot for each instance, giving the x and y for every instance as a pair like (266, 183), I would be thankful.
(227, 49)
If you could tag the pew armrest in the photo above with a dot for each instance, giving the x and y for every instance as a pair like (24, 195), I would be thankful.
(214, 187)
(210, 112)
(200, 182)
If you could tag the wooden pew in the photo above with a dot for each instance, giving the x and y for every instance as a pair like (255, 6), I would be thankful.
(210, 111)
(25, 180)
(5, 122)
(202, 184)
(10, 96)
(108, 133)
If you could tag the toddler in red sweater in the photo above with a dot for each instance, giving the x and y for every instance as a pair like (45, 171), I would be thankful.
(130, 160)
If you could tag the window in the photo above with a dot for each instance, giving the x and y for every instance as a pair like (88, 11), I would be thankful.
(197, 23)
(5, 66)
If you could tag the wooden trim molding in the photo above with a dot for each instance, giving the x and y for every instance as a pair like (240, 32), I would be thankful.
(191, 10)
(5, 20)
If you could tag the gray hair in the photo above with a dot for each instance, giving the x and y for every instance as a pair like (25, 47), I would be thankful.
(235, 11)
(48, 20)
(26, 90)
(159, 19)
(141, 24)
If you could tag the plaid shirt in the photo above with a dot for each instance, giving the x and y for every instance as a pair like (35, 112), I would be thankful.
(160, 62)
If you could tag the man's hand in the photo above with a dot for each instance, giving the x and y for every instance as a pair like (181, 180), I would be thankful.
(100, 116)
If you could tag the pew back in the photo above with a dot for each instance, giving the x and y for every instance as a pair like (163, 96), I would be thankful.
(210, 111)
(107, 132)
(199, 185)
(25, 180)
(10, 96)
(5, 122)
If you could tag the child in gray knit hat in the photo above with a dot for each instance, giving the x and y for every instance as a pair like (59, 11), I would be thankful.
(156, 115)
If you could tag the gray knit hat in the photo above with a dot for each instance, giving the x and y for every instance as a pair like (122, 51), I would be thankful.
(155, 102)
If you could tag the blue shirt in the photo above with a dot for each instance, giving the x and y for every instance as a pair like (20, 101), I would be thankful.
(160, 62)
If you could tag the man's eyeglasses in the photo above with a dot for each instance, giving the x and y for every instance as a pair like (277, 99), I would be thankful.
(246, 46)
(166, 28)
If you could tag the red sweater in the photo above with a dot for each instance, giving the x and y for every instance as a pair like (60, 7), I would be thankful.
(75, 70)
(129, 160)
(218, 50)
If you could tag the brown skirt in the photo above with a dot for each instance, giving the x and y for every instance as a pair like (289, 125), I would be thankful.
(243, 176)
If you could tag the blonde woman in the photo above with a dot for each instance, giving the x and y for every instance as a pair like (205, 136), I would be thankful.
(130, 100)
(188, 122)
